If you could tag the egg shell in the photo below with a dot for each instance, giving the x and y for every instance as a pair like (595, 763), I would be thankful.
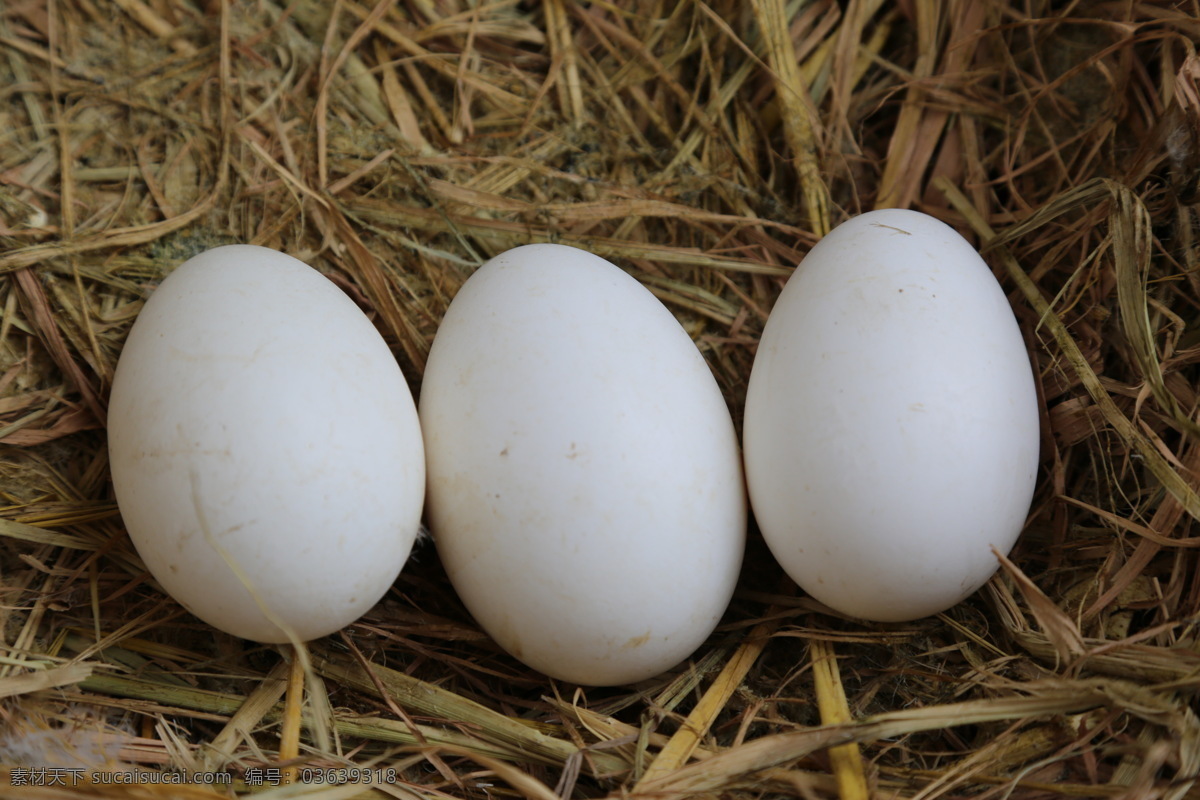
(891, 422)
(265, 448)
(585, 485)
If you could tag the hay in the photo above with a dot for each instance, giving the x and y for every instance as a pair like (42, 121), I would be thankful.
(703, 147)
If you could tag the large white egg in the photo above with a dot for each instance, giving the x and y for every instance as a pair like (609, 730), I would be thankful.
(585, 485)
(265, 448)
(891, 422)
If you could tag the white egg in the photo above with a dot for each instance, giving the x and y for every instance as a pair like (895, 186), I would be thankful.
(265, 448)
(891, 422)
(585, 485)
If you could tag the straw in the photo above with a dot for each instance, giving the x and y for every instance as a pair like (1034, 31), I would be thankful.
(704, 148)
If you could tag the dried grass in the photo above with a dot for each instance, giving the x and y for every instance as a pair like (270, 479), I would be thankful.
(704, 147)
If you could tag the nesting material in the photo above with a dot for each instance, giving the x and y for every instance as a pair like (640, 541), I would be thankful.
(703, 148)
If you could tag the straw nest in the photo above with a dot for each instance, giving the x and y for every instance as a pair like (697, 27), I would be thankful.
(704, 147)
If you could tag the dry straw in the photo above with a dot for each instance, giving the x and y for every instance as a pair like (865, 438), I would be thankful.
(704, 147)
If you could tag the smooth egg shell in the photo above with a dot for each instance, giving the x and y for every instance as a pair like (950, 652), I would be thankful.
(265, 448)
(891, 421)
(585, 485)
